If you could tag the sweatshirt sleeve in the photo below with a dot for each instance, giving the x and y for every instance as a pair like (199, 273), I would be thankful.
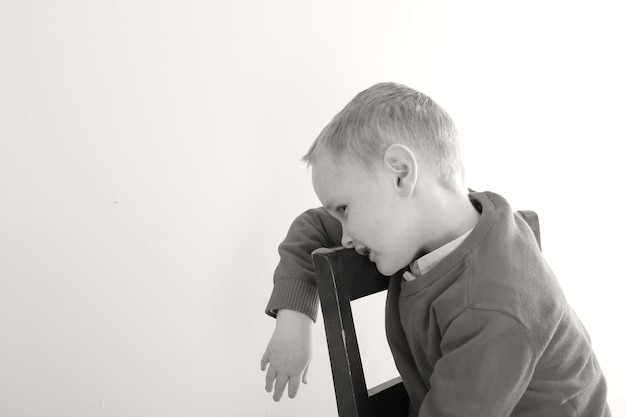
(487, 363)
(294, 279)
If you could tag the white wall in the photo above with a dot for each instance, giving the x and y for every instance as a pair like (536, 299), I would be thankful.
(149, 166)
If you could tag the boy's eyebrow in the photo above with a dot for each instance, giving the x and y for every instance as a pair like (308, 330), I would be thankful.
(331, 206)
(328, 206)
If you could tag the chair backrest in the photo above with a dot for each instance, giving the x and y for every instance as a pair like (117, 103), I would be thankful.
(342, 275)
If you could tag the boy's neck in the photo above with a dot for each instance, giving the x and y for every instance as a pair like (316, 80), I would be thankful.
(457, 215)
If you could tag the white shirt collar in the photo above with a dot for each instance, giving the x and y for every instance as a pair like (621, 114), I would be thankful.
(428, 261)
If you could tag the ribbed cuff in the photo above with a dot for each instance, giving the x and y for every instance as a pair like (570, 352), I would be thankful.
(295, 295)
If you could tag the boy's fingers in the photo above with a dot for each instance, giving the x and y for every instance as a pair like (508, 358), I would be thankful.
(264, 361)
(294, 384)
(279, 387)
(269, 379)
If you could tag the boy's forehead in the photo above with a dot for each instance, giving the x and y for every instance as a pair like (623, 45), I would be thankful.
(324, 175)
(326, 163)
(328, 178)
(336, 178)
(329, 191)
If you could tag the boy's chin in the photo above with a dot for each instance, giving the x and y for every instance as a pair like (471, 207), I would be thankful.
(387, 270)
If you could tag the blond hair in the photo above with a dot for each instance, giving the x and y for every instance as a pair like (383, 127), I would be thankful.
(389, 113)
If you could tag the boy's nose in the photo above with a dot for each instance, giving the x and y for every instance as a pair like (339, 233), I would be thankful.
(347, 241)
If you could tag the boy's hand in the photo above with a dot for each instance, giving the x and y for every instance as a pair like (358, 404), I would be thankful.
(288, 353)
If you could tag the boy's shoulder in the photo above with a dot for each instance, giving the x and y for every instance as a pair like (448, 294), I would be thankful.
(506, 270)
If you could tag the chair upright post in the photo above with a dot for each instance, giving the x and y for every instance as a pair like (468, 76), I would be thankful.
(343, 349)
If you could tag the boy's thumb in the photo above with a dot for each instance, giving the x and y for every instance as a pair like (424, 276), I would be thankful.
(264, 361)
(305, 379)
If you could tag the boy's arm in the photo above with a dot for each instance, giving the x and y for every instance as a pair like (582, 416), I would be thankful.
(487, 363)
(294, 301)
(294, 278)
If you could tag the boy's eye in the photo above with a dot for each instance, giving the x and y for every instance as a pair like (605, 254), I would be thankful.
(341, 209)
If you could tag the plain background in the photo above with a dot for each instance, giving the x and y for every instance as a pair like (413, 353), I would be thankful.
(149, 167)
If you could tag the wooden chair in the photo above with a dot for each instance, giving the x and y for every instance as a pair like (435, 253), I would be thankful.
(342, 276)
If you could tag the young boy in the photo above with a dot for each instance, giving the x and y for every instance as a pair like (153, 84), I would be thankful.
(477, 325)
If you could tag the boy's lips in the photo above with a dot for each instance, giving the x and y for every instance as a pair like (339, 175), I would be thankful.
(363, 251)
(366, 252)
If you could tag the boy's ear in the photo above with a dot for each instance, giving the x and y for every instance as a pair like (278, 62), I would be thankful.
(400, 161)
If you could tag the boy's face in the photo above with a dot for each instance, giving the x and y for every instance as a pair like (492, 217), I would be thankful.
(376, 219)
